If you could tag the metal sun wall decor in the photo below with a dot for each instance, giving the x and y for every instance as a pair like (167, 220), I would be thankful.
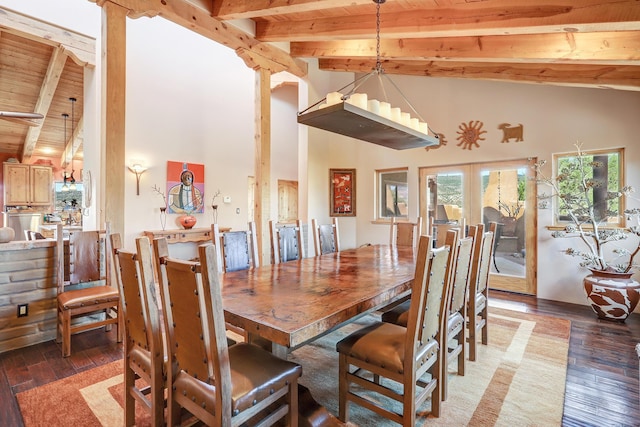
(511, 132)
(469, 134)
(185, 187)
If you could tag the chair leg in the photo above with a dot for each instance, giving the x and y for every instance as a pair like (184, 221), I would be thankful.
(292, 418)
(462, 356)
(343, 387)
(66, 333)
(437, 391)
(472, 336)
(129, 401)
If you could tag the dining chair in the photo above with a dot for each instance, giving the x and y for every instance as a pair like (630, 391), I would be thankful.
(218, 384)
(144, 354)
(326, 237)
(399, 313)
(456, 331)
(286, 242)
(404, 355)
(84, 286)
(236, 250)
(478, 305)
(439, 231)
(405, 233)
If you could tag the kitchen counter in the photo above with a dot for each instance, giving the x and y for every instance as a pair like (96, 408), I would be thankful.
(49, 230)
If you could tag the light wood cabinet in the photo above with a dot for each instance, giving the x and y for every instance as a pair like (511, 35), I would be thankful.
(27, 185)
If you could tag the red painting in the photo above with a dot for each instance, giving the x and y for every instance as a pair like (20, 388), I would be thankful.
(343, 192)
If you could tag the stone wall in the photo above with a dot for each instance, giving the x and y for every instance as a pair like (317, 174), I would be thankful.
(27, 275)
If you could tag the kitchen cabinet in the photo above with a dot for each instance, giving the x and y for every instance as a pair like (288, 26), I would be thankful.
(30, 185)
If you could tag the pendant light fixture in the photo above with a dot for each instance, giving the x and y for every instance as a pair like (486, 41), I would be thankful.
(72, 185)
(353, 114)
(65, 187)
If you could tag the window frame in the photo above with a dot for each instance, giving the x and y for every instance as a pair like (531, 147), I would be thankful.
(381, 197)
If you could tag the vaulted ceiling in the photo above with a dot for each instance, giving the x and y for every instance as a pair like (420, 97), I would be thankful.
(589, 43)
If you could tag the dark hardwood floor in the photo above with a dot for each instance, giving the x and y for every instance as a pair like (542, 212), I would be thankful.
(602, 373)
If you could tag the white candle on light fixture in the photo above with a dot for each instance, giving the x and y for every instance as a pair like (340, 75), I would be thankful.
(385, 110)
(415, 123)
(396, 114)
(359, 100)
(334, 98)
(405, 119)
(424, 128)
(373, 105)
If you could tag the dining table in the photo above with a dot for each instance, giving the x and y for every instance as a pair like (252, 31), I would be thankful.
(295, 302)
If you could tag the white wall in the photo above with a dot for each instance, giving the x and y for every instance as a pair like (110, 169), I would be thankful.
(554, 118)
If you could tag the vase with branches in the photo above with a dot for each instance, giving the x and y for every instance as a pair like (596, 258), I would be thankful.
(163, 208)
(612, 292)
(214, 206)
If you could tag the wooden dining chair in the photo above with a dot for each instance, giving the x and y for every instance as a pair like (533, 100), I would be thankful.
(326, 237)
(218, 384)
(456, 330)
(404, 355)
(478, 305)
(144, 354)
(86, 298)
(405, 233)
(236, 250)
(439, 231)
(286, 242)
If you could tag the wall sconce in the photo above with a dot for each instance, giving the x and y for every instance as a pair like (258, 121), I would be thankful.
(138, 169)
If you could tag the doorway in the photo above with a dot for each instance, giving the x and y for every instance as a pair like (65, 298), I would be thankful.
(502, 192)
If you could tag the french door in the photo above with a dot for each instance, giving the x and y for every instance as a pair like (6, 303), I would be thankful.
(502, 192)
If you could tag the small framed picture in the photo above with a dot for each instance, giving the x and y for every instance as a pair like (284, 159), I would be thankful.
(342, 189)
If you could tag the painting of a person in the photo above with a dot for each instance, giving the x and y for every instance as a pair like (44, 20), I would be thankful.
(185, 197)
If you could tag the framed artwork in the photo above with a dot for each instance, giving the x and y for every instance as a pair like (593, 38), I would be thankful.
(342, 188)
(185, 187)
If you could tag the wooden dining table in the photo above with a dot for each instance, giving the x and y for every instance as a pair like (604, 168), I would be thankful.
(295, 302)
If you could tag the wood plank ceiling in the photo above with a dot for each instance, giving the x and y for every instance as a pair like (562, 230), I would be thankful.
(588, 43)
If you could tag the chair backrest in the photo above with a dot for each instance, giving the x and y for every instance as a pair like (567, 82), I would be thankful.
(461, 275)
(428, 297)
(134, 276)
(236, 250)
(483, 252)
(405, 233)
(326, 238)
(198, 340)
(439, 231)
(286, 242)
(83, 257)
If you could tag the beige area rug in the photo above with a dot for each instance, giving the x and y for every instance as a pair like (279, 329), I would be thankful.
(518, 380)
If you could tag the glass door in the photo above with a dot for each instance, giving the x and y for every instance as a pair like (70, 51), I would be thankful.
(501, 192)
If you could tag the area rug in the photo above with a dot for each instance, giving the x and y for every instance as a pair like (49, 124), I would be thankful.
(518, 379)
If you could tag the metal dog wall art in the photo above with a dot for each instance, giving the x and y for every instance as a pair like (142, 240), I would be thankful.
(511, 132)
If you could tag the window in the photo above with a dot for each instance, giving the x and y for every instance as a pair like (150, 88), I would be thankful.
(603, 169)
(393, 193)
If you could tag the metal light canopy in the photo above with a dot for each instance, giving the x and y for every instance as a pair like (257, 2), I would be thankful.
(347, 119)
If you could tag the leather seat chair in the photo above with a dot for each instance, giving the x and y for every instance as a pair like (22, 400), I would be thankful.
(326, 237)
(144, 355)
(478, 305)
(286, 242)
(86, 299)
(404, 355)
(405, 233)
(217, 384)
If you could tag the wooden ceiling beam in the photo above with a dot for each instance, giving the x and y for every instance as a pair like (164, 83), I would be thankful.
(241, 9)
(47, 90)
(602, 76)
(80, 48)
(614, 48)
(199, 20)
(489, 17)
